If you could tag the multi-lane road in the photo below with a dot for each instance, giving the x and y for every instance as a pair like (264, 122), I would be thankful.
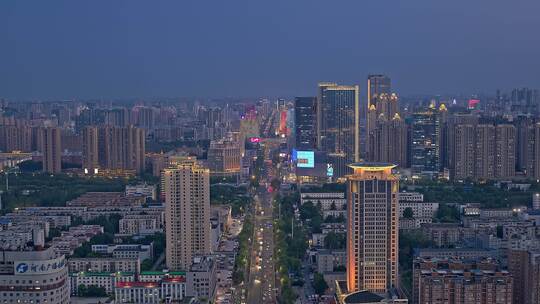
(261, 283)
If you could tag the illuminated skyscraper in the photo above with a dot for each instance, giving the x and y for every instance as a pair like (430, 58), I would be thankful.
(425, 145)
(372, 228)
(187, 212)
(338, 132)
(305, 114)
(377, 85)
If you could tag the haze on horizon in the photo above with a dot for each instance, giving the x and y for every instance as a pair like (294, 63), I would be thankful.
(134, 48)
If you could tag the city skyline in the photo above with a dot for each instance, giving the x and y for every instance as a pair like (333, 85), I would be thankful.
(244, 49)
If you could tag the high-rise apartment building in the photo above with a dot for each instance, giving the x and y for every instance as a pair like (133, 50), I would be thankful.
(121, 148)
(425, 143)
(51, 147)
(90, 146)
(389, 141)
(338, 132)
(533, 150)
(524, 265)
(484, 151)
(305, 120)
(377, 85)
(372, 228)
(380, 100)
(187, 212)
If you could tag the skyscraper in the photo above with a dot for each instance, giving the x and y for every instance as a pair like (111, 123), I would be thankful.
(187, 212)
(377, 85)
(388, 134)
(379, 89)
(389, 141)
(338, 132)
(425, 143)
(305, 119)
(51, 148)
(372, 228)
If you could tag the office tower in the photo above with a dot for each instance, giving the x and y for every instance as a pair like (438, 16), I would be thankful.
(121, 148)
(224, 158)
(305, 119)
(524, 265)
(460, 281)
(51, 147)
(372, 228)
(338, 133)
(187, 212)
(425, 143)
(90, 149)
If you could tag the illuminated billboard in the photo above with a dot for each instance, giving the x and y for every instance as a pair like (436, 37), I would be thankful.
(305, 159)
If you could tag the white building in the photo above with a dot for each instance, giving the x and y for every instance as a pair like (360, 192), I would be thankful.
(327, 200)
(104, 265)
(139, 224)
(105, 280)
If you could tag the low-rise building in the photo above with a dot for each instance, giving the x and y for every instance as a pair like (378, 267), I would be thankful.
(141, 190)
(201, 278)
(105, 280)
(168, 289)
(139, 224)
(329, 260)
(104, 265)
(327, 200)
(125, 251)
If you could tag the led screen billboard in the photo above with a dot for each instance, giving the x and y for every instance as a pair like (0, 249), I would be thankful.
(305, 159)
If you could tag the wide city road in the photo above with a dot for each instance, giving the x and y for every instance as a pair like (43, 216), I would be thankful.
(261, 273)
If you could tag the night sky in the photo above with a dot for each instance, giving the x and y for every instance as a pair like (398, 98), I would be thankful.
(195, 48)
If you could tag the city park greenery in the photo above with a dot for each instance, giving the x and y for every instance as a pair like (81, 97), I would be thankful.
(30, 188)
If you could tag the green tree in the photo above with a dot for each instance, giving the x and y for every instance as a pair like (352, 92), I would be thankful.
(319, 284)
(334, 241)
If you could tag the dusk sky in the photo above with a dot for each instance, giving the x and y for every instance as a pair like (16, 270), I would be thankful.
(115, 49)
